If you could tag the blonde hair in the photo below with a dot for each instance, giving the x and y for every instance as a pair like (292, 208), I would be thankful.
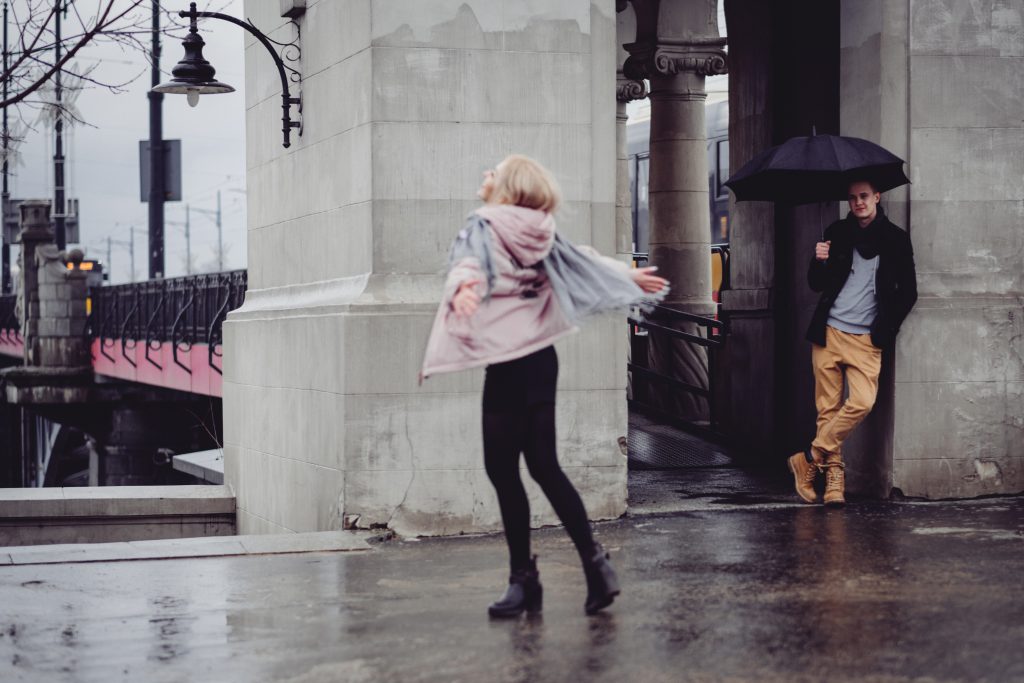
(521, 181)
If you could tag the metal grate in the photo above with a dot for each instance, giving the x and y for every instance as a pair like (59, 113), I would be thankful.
(654, 446)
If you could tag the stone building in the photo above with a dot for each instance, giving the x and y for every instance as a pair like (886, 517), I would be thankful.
(405, 104)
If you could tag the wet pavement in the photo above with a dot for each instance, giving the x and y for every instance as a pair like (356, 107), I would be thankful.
(876, 591)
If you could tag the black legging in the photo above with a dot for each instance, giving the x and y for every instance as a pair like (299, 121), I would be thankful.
(519, 417)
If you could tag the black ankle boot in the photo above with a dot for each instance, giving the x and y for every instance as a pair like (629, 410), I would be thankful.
(524, 593)
(602, 583)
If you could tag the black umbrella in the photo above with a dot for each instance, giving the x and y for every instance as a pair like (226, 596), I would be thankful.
(818, 168)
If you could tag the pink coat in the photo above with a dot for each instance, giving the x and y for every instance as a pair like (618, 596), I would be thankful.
(522, 314)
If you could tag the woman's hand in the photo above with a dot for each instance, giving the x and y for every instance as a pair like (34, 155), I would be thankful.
(466, 300)
(647, 280)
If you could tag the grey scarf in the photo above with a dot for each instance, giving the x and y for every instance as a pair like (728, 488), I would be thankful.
(584, 286)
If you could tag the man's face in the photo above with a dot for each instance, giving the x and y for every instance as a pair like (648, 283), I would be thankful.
(863, 201)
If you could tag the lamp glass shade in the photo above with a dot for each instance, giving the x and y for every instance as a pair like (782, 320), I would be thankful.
(182, 87)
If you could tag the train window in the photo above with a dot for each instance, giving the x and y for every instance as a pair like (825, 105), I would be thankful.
(642, 226)
(723, 166)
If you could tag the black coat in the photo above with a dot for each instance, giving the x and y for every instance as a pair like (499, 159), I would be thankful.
(895, 281)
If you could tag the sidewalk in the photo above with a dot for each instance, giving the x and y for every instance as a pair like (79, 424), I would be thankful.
(877, 591)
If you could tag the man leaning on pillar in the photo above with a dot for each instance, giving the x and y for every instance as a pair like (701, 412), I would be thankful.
(864, 270)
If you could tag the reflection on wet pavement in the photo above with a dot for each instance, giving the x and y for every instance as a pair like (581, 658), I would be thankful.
(898, 592)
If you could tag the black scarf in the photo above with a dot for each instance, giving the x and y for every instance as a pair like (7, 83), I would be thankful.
(868, 240)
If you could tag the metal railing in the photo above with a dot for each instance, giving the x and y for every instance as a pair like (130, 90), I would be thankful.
(10, 326)
(709, 333)
(182, 311)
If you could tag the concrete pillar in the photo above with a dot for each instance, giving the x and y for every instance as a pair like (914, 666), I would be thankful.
(938, 82)
(677, 47)
(62, 292)
(35, 232)
(404, 106)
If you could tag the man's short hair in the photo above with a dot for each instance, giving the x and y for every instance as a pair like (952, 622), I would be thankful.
(869, 181)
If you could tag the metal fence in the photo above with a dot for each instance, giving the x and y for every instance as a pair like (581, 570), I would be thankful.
(10, 326)
(181, 311)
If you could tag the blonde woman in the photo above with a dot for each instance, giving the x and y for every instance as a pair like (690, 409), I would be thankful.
(514, 287)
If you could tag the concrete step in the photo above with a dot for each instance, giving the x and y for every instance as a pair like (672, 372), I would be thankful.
(210, 546)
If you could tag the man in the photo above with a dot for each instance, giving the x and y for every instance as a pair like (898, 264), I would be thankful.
(864, 270)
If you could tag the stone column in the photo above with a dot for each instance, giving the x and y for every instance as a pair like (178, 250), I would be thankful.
(626, 90)
(35, 232)
(677, 47)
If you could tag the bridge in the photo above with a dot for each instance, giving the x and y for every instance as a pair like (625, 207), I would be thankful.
(163, 333)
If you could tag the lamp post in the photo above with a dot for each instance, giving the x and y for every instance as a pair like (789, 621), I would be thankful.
(157, 181)
(194, 76)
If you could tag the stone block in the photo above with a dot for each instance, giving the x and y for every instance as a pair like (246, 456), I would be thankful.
(445, 502)
(962, 340)
(473, 25)
(64, 352)
(991, 172)
(468, 149)
(966, 248)
(563, 27)
(433, 222)
(295, 495)
(953, 27)
(54, 308)
(249, 524)
(320, 177)
(312, 248)
(971, 91)
(935, 478)
(340, 31)
(342, 92)
(959, 421)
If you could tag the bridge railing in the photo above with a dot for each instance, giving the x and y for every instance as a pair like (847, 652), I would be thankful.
(181, 311)
(10, 326)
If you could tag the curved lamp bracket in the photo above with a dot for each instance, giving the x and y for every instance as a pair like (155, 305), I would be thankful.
(291, 51)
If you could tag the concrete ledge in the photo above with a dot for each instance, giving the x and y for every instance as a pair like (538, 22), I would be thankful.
(216, 546)
(107, 501)
(206, 466)
(100, 514)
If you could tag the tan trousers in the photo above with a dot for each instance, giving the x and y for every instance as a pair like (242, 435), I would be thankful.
(861, 361)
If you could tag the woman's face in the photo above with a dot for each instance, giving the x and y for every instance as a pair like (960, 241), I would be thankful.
(487, 184)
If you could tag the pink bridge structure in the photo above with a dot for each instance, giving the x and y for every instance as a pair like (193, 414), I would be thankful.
(163, 333)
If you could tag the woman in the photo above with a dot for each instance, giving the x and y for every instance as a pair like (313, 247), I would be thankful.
(514, 287)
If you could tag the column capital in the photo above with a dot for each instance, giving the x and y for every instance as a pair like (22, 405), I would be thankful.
(627, 89)
(703, 57)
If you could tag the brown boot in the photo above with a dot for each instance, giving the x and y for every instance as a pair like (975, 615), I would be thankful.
(835, 480)
(803, 475)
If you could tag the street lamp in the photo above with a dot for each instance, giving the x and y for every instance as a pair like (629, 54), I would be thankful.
(193, 75)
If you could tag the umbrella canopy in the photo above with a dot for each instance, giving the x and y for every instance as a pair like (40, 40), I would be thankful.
(818, 168)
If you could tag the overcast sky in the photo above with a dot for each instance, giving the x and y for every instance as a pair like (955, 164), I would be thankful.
(103, 164)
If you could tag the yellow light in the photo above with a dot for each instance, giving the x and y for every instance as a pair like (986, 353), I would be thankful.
(86, 265)
(88, 305)
(71, 266)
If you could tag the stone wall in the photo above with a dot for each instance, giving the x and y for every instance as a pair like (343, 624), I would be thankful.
(939, 82)
(404, 106)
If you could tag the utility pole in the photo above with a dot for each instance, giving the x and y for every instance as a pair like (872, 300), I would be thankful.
(131, 249)
(188, 243)
(156, 160)
(110, 265)
(5, 278)
(58, 147)
(220, 238)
